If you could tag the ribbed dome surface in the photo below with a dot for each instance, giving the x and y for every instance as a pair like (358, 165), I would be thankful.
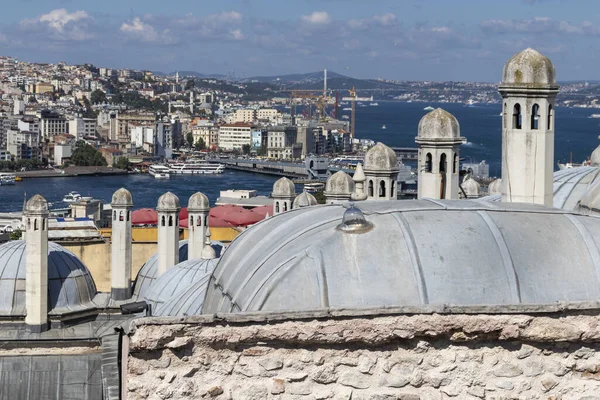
(304, 199)
(122, 197)
(187, 302)
(439, 124)
(70, 285)
(284, 187)
(380, 158)
(168, 202)
(198, 202)
(339, 183)
(529, 68)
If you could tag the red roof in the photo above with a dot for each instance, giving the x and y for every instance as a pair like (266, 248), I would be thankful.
(263, 210)
(144, 216)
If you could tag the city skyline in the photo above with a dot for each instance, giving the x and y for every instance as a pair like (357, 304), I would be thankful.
(409, 40)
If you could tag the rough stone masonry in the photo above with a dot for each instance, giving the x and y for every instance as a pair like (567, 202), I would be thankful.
(375, 354)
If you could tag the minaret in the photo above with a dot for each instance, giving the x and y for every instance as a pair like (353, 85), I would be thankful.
(339, 188)
(208, 253)
(198, 208)
(439, 142)
(35, 220)
(168, 232)
(120, 271)
(284, 193)
(359, 184)
(528, 92)
(381, 173)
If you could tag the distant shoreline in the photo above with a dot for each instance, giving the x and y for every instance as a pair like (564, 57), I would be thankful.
(71, 172)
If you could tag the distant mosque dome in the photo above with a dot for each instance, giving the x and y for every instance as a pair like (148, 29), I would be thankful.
(438, 124)
(198, 202)
(188, 301)
(529, 67)
(71, 287)
(380, 158)
(122, 197)
(177, 279)
(168, 202)
(304, 199)
(339, 183)
(495, 187)
(284, 187)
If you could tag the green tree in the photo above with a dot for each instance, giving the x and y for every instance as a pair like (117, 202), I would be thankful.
(17, 234)
(189, 85)
(200, 145)
(98, 97)
(190, 139)
(86, 155)
(320, 196)
(246, 149)
(122, 163)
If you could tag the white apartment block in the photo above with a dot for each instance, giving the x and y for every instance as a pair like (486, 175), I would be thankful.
(82, 127)
(234, 136)
(245, 116)
(52, 124)
(141, 134)
(269, 114)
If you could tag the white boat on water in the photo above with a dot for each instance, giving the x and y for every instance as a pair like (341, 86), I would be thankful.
(383, 127)
(196, 167)
(159, 171)
(429, 108)
(7, 179)
(374, 104)
(347, 109)
(71, 197)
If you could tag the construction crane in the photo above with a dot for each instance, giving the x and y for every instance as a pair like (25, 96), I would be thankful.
(321, 99)
(352, 120)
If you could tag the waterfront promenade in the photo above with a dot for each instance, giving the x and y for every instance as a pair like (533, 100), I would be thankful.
(70, 172)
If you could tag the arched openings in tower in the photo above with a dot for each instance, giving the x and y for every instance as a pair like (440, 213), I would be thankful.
(121, 216)
(504, 113)
(128, 215)
(114, 215)
(285, 206)
(371, 188)
(535, 116)
(455, 164)
(28, 223)
(393, 190)
(35, 225)
(443, 169)
(170, 220)
(550, 116)
(382, 188)
(517, 116)
(277, 207)
(162, 221)
(428, 162)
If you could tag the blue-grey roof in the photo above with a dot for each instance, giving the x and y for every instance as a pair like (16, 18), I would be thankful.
(148, 272)
(570, 185)
(175, 280)
(420, 252)
(70, 285)
(188, 302)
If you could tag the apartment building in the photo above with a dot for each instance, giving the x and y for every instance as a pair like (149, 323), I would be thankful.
(52, 124)
(281, 143)
(234, 136)
(82, 127)
(23, 145)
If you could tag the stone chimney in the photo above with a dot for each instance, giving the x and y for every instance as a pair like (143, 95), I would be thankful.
(168, 232)
(198, 208)
(120, 271)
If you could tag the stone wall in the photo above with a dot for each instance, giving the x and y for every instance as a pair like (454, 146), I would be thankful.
(321, 356)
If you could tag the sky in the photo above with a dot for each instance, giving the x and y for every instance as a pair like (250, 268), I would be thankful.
(436, 40)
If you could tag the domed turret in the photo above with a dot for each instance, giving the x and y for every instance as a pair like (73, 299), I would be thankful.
(36, 205)
(529, 67)
(284, 192)
(198, 208)
(339, 187)
(495, 187)
(198, 202)
(122, 197)
(439, 124)
(305, 199)
(381, 158)
(168, 202)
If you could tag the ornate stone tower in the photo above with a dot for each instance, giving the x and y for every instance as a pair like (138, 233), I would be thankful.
(284, 192)
(339, 188)
(528, 92)
(439, 141)
(304, 199)
(35, 220)
(168, 231)
(359, 179)
(198, 208)
(120, 270)
(381, 172)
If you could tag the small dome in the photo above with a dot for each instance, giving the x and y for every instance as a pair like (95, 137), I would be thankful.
(284, 188)
(339, 183)
(495, 187)
(439, 124)
(177, 279)
(471, 187)
(149, 271)
(354, 221)
(359, 174)
(168, 202)
(37, 204)
(304, 199)
(198, 203)
(70, 285)
(529, 67)
(595, 157)
(122, 197)
(208, 252)
(187, 302)
(381, 158)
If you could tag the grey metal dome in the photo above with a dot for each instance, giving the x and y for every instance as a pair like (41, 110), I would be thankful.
(439, 125)
(419, 252)
(187, 302)
(569, 186)
(595, 157)
(304, 199)
(177, 279)
(495, 187)
(122, 197)
(168, 202)
(198, 202)
(529, 68)
(70, 285)
(149, 271)
(339, 183)
(36, 205)
(381, 158)
(284, 187)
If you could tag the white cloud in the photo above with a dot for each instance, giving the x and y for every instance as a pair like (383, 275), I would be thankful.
(236, 34)
(140, 30)
(229, 16)
(59, 18)
(539, 25)
(60, 24)
(385, 19)
(317, 18)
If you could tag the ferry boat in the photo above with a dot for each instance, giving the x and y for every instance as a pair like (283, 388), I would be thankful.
(347, 109)
(71, 197)
(196, 167)
(595, 116)
(159, 171)
(429, 108)
(383, 127)
(374, 104)
(7, 179)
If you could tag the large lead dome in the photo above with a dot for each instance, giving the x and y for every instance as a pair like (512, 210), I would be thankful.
(70, 285)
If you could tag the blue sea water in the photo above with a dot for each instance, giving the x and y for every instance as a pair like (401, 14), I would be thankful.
(481, 125)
